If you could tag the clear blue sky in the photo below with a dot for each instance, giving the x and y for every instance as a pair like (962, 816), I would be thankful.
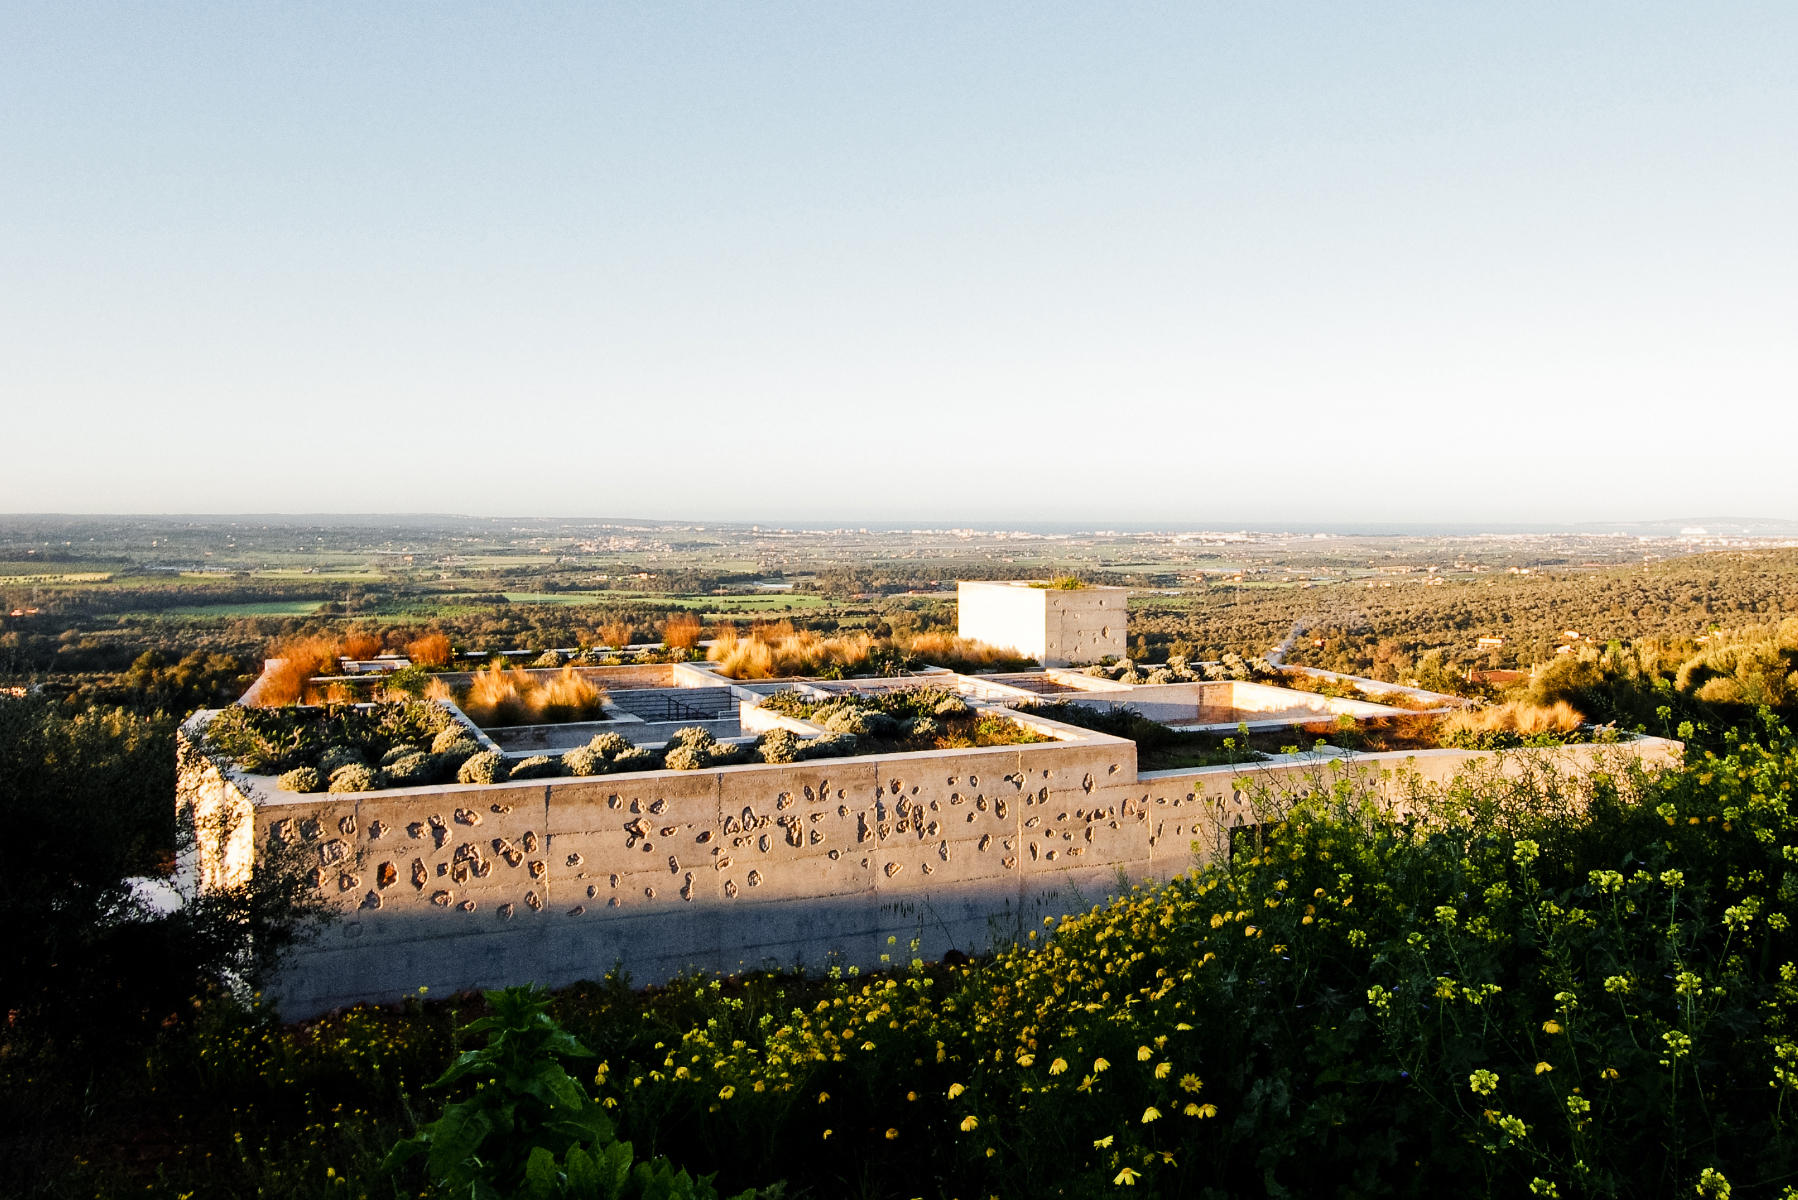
(1193, 262)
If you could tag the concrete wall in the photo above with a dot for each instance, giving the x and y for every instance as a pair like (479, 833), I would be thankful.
(456, 887)
(1054, 626)
(1224, 702)
(459, 887)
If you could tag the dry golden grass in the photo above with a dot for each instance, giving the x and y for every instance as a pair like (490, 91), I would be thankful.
(959, 653)
(616, 634)
(301, 658)
(779, 650)
(431, 650)
(502, 695)
(1519, 717)
(361, 644)
(682, 632)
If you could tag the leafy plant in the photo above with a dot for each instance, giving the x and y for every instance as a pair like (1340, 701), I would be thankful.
(524, 1127)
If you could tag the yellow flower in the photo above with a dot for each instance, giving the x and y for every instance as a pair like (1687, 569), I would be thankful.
(1102, 1143)
(826, 1135)
(1144, 1054)
(1058, 1066)
(892, 1135)
(1099, 1065)
(823, 1096)
(1543, 1068)
(968, 1124)
(1151, 1113)
(1551, 1027)
(1200, 1111)
(726, 1092)
(1126, 1177)
(1163, 1070)
(955, 1089)
(911, 1095)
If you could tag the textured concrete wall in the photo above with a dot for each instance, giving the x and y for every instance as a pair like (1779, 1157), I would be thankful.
(843, 860)
(1085, 625)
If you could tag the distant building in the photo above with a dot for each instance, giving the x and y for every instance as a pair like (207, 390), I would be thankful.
(1056, 626)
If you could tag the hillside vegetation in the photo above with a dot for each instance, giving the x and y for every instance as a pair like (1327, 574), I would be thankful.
(1523, 989)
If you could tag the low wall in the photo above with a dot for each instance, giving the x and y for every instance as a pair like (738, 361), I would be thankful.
(460, 887)
(1224, 702)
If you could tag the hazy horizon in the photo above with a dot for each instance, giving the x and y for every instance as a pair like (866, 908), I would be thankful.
(1210, 265)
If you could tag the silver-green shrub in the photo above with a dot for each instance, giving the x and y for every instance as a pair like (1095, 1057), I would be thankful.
(449, 736)
(354, 777)
(536, 767)
(302, 779)
(485, 767)
(609, 745)
(583, 761)
(779, 746)
(335, 757)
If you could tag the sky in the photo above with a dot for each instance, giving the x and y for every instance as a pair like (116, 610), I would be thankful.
(1195, 262)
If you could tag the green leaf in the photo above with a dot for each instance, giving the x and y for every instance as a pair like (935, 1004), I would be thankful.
(541, 1178)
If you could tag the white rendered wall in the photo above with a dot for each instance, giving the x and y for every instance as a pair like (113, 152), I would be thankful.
(1003, 614)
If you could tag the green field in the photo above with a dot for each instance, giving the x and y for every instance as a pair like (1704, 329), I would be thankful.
(255, 608)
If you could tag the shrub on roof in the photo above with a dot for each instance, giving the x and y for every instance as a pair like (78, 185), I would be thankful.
(400, 750)
(336, 757)
(831, 745)
(354, 777)
(779, 746)
(549, 658)
(411, 770)
(685, 758)
(583, 761)
(637, 758)
(447, 737)
(537, 766)
(609, 744)
(485, 767)
(302, 779)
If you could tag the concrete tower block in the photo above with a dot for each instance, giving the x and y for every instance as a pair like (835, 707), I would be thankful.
(1057, 627)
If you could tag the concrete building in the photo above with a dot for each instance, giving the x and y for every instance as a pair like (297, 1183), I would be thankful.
(1058, 627)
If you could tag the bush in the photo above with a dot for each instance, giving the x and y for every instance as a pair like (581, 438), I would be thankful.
(354, 777)
(548, 659)
(830, 745)
(583, 761)
(637, 758)
(537, 766)
(779, 746)
(399, 751)
(609, 744)
(459, 752)
(411, 770)
(302, 779)
(950, 706)
(685, 758)
(695, 737)
(449, 736)
(337, 757)
(484, 767)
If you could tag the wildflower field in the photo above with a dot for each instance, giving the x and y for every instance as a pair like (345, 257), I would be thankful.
(1516, 991)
